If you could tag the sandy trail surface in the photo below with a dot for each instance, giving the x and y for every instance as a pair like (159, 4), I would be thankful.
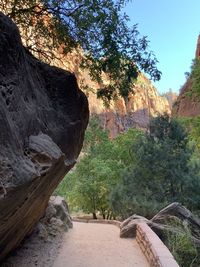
(98, 245)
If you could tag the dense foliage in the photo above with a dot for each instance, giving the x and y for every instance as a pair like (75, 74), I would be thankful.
(90, 185)
(181, 245)
(192, 124)
(136, 172)
(99, 27)
(162, 173)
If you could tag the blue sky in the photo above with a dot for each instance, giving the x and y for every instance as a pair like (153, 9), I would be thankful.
(172, 27)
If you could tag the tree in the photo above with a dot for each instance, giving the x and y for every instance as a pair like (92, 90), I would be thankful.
(192, 124)
(95, 134)
(98, 27)
(162, 173)
(89, 186)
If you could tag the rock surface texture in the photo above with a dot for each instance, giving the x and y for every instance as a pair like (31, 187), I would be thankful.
(56, 219)
(143, 104)
(42, 246)
(163, 221)
(43, 116)
(171, 97)
(187, 105)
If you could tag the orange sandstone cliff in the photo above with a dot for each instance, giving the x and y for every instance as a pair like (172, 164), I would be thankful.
(171, 97)
(144, 103)
(187, 105)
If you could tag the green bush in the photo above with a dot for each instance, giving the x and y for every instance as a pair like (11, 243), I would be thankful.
(181, 245)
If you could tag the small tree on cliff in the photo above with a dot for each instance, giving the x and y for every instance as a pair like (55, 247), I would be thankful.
(99, 27)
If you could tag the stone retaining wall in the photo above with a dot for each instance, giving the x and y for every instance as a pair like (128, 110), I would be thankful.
(157, 254)
(153, 248)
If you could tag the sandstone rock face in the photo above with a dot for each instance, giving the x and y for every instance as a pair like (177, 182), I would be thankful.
(197, 54)
(42, 245)
(143, 104)
(120, 116)
(56, 219)
(171, 97)
(43, 116)
(187, 105)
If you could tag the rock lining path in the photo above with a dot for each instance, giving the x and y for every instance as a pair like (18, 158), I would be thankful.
(98, 245)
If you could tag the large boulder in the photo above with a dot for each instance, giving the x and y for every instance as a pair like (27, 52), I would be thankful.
(129, 226)
(56, 219)
(164, 221)
(43, 116)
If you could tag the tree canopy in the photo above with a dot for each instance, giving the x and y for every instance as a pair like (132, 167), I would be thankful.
(99, 27)
(162, 173)
(137, 172)
(89, 186)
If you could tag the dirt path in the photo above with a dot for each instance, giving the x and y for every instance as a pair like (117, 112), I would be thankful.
(98, 245)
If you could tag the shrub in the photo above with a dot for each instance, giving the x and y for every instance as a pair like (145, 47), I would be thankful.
(181, 245)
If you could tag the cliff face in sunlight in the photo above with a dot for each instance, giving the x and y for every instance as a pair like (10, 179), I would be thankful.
(187, 105)
(120, 116)
(144, 103)
(171, 97)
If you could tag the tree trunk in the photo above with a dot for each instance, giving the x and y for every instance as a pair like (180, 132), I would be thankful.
(103, 213)
(111, 216)
(108, 215)
(94, 216)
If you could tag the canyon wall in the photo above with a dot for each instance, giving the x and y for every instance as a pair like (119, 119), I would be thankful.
(143, 104)
(171, 97)
(187, 104)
